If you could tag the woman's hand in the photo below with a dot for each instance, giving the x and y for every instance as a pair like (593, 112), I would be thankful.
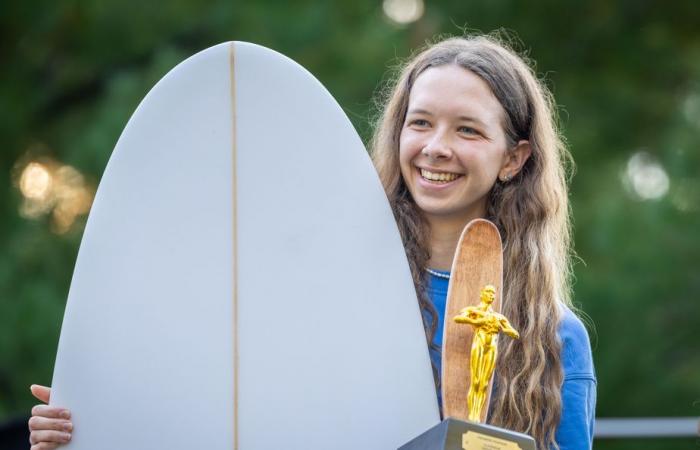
(49, 426)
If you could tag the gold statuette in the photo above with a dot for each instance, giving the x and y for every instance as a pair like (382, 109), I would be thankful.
(487, 326)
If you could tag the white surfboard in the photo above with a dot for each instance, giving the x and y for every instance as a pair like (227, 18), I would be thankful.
(241, 283)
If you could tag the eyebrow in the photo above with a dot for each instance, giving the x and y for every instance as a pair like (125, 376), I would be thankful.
(461, 118)
(419, 111)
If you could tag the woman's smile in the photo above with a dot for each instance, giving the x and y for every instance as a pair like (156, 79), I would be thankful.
(434, 176)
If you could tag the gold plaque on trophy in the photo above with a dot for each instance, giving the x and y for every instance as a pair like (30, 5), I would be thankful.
(473, 440)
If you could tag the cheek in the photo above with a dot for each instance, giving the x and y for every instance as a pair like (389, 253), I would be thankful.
(488, 161)
(406, 154)
(409, 146)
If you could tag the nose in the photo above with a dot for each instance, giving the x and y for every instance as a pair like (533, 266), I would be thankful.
(437, 148)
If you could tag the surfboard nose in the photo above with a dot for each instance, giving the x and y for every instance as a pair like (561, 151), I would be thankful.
(238, 216)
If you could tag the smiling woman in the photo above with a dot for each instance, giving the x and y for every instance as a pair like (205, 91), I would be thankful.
(453, 147)
(469, 132)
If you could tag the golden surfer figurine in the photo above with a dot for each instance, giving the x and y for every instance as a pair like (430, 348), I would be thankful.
(487, 325)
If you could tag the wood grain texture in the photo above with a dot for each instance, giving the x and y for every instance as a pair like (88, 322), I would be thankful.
(478, 261)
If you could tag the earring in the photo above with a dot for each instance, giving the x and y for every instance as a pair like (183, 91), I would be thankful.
(506, 178)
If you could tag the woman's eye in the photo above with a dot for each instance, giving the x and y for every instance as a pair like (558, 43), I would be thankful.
(468, 130)
(419, 122)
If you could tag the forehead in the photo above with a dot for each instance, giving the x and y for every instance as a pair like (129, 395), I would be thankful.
(452, 89)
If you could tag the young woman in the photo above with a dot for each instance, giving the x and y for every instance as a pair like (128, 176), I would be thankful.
(468, 131)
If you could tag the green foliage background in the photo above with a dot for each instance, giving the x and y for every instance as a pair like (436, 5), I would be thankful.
(626, 75)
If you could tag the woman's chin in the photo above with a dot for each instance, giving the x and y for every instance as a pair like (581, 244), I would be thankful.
(448, 211)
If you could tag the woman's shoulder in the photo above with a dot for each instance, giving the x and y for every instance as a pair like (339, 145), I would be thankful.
(576, 355)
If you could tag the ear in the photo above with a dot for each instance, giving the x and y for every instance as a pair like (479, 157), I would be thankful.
(514, 160)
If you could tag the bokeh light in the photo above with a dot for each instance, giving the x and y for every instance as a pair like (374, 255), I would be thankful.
(73, 198)
(35, 181)
(49, 187)
(403, 12)
(645, 177)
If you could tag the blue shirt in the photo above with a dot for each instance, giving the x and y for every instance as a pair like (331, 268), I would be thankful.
(578, 391)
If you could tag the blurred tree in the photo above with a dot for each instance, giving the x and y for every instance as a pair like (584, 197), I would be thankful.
(626, 74)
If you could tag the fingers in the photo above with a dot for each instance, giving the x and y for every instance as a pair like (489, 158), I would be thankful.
(51, 412)
(45, 446)
(48, 437)
(37, 423)
(42, 393)
(49, 425)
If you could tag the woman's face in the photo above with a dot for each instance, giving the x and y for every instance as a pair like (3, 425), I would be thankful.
(452, 145)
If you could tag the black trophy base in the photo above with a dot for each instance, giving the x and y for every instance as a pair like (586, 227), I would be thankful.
(453, 434)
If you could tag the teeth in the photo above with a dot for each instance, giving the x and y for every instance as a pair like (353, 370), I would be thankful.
(442, 176)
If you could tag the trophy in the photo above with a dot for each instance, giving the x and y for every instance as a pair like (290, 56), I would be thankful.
(470, 346)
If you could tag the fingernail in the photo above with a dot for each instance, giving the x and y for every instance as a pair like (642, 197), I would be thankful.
(66, 437)
(65, 414)
(68, 426)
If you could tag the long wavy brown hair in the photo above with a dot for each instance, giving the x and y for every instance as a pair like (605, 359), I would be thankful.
(531, 212)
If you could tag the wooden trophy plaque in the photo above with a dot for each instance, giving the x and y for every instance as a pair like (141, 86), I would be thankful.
(478, 263)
